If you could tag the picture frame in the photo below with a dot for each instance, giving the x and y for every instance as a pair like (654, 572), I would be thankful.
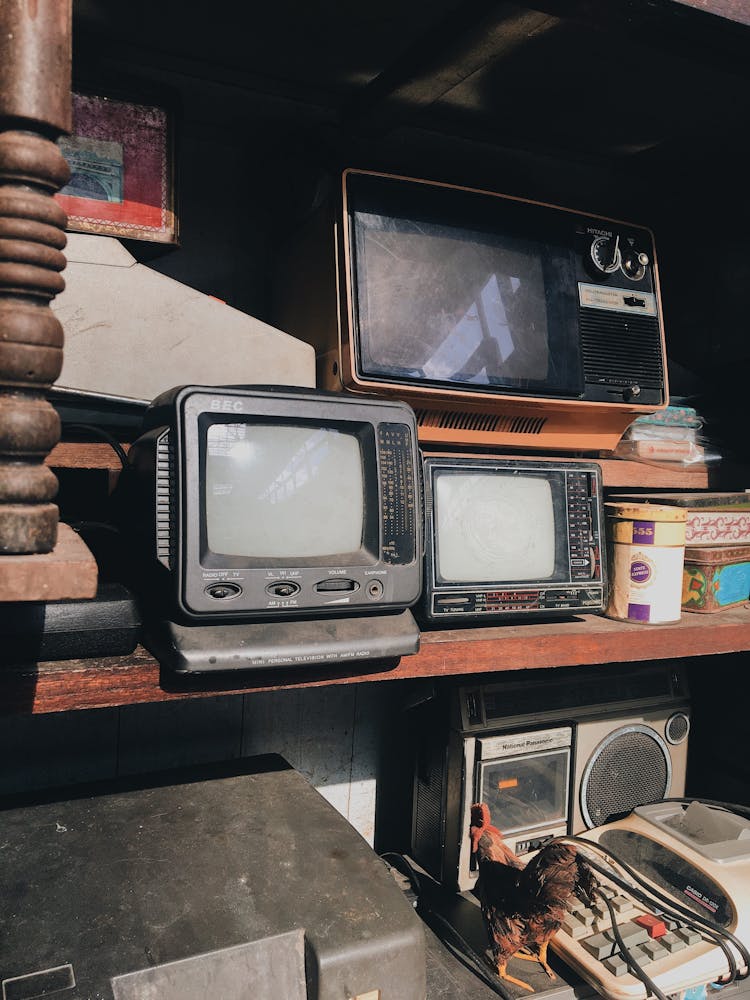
(121, 155)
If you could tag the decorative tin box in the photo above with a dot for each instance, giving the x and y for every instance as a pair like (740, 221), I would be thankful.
(712, 518)
(715, 578)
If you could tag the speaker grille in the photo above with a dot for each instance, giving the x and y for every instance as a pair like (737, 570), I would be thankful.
(630, 767)
(620, 350)
(677, 727)
(428, 812)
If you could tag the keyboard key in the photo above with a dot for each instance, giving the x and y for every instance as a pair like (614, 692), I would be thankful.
(639, 955)
(575, 927)
(604, 945)
(600, 946)
(616, 965)
(688, 935)
(672, 943)
(583, 913)
(654, 925)
(630, 933)
(655, 950)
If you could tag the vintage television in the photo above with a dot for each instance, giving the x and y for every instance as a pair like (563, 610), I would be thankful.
(511, 538)
(287, 509)
(501, 321)
(558, 752)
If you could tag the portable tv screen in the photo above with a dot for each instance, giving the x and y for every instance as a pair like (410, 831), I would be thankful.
(274, 503)
(491, 528)
(512, 537)
(283, 492)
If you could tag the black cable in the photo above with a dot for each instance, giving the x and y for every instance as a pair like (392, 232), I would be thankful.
(411, 872)
(104, 435)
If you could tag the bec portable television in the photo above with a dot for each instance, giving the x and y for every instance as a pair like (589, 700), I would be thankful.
(282, 505)
(501, 321)
(509, 537)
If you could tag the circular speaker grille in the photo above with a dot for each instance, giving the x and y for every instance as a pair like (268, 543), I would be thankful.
(628, 768)
(677, 727)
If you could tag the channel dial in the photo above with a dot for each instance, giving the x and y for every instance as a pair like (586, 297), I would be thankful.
(605, 253)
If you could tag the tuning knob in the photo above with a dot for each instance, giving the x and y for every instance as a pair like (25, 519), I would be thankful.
(634, 264)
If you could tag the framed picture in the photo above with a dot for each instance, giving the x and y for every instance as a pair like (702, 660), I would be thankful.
(122, 170)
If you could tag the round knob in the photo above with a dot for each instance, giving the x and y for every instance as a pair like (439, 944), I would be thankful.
(633, 392)
(605, 253)
(634, 263)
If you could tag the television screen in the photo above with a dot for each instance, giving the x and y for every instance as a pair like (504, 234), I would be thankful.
(449, 290)
(511, 536)
(494, 528)
(283, 491)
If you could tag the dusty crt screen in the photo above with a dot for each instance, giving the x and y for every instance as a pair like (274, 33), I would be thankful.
(283, 491)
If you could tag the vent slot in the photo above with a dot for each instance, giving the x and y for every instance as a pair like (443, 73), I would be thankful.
(621, 350)
(164, 498)
(487, 423)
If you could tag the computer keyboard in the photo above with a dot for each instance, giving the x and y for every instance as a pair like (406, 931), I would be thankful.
(650, 939)
(674, 954)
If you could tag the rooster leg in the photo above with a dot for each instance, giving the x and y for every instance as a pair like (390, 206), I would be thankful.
(501, 966)
(541, 957)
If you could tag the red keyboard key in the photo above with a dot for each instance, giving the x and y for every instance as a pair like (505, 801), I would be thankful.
(654, 925)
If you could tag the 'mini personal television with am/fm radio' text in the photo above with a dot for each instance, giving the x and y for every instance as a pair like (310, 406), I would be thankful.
(511, 538)
(280, 505)
(501, 321)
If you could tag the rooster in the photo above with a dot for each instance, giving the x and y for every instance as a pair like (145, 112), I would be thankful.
(523, 905)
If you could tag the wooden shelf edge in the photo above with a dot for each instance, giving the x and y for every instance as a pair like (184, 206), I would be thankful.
(116, 681)
(617, 473)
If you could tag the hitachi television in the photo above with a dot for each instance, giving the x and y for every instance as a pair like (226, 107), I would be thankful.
(273, 504)
(502, 322)
(511, 539)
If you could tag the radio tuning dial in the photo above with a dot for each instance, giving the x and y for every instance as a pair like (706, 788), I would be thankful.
(634, 264)
(605, 253)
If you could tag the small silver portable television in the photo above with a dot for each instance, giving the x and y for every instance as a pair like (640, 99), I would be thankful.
(277, 504)
(509, 537)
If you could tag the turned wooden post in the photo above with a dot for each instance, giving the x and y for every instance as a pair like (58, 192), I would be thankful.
(35, 109)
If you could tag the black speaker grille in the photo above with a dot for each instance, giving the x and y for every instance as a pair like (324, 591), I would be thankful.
(620, 350)
(631, 768)
(428, 812)
(677, 728)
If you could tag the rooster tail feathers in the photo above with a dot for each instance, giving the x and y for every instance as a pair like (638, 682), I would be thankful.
(587, 884)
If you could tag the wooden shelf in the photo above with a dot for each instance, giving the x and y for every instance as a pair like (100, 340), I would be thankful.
(68, 572)
(84, 684)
